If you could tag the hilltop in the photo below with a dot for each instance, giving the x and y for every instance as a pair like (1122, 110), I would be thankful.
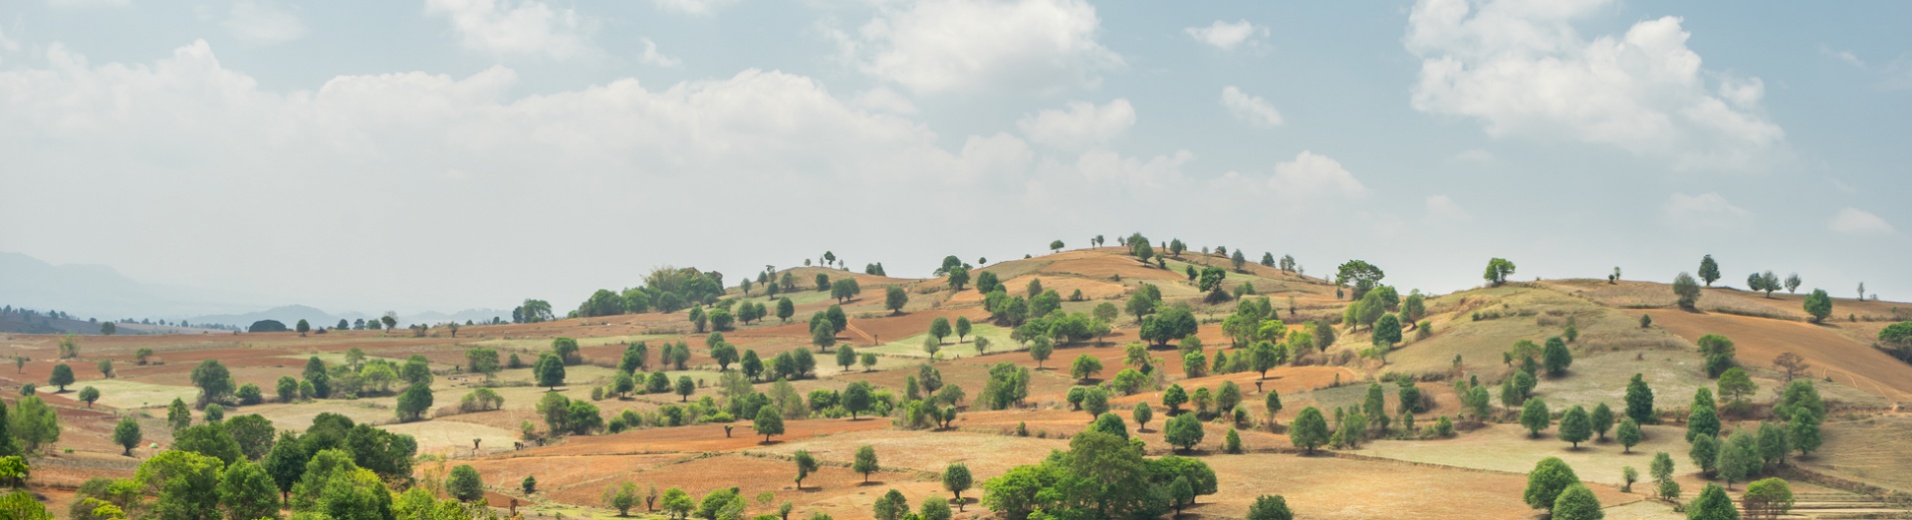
(672, 438)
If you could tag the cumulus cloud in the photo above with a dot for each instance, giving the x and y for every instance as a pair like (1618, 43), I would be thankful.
(1080, 125)
(692, 7)
(1441, 208)
(263, 22)
(884, 99)
(516, 27)
(1522, 69)
(1252, 109)
(1704, 212)
(1227, 35)
(955, 45)
(1308, 178)
(1844, 56)
(1853, 221)
(652, 57)
(1475, 156)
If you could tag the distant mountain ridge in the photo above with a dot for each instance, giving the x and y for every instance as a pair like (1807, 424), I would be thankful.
(97, 291)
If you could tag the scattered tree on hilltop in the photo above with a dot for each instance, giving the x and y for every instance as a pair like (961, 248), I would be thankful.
(1687, 289)
(1709, 270)
(1819, 305)
(1497, 271)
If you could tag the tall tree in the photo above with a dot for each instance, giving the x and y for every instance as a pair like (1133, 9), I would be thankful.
(1709, 270)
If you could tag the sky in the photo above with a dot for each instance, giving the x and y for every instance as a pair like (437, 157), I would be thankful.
(451, 154)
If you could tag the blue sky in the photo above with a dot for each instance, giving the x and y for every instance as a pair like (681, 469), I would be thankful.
(467, 153)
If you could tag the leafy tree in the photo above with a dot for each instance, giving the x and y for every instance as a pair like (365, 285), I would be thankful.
(214, 382)
(622, 497)
(894, 298)
(1601, 419)
(806, 465)
(1363, 275)
(1712, 504)
(1628, 434)
(785, 309)
(958, 278)
(1497, 271)
(1819, 305)
(1534, 417)
(1709, 270)
(1270, 507)
(1309, 430)
(465, 484)
(186, 484)
(1772, 445)
(1085, 367)
(1687, 289)
(1705, 452)
(1142, 414)
(1767, 499)
(845, 289)
(414, 402)
(891, 506)
(62, 376)
(1703, 420)
(1577, 503)
(1719, 352)
(1792, 283)
(1170, 324)
(1735, 385)
(956, 479)
(1556, 357)
(685, 387)
(1575, 426)
(549, 371)
(288, 389)
(1174, 398)
(865, 462)
(1738, 457)
(1183, 431)
(247, 491)
(1639, 400)
(768, 423)
(1387, 332)
(1547, 481)
(178, 416)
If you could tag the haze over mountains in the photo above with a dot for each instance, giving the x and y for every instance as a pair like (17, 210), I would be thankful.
(98, 291)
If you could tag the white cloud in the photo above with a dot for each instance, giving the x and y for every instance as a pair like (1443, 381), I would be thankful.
(263, 22)
(884, 99)
(652, 57)
(1441, 208)
(692, 7)
(1521, 69)
(1011, 45)
(1309, 177)
(1853, 221)
(1253, 109)
(1081, 125)
(1844, 56)
(1704, 212)
(1227, 35)
(1474, 156)
(7, 45)
(516, 26)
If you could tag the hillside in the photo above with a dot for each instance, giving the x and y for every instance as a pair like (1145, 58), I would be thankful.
(1479, 472)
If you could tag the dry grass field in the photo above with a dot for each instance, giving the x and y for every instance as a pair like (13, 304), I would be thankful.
(1477, 474)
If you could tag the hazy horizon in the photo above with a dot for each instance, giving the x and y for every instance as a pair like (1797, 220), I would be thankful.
(450, 155)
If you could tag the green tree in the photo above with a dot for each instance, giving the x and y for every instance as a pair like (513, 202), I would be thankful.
(178, 416)
(865, 462)
(1085, 367)
(1270, 507)
(939, 328)
(1735, 385)
(1628, 434)
(891, 506)
(956, 479)
(1577, 503)
(1703, 420)
(549, 370)
(1173, 398)
(1819, 305)
(1687, 290)
(1738, 458)
(1772, 443)
(785, 309)
(1705, 452)
(414, 402)
(288, 389)
(962, 327)
(806, 465)
(1556, 357)
(1709, 270)
(464, 484)
(823, 334)
(1534, 417)
(958, 278)
(247, 491)
(768, 423)
(1497, 271)
(1802, 432)
(1550, 477)
(126, 434)
(1183, 431)
(1639, 400)
(1575, 426)
(1767, 498)
(1387, 332)
(622, 497)
(62, 376)
(33, 424)
(186, 485)
(1362, 275)
(214, 382)
(1142, 414)
(1712, 504)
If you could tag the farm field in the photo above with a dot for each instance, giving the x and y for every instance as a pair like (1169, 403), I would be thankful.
(1477, 473)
